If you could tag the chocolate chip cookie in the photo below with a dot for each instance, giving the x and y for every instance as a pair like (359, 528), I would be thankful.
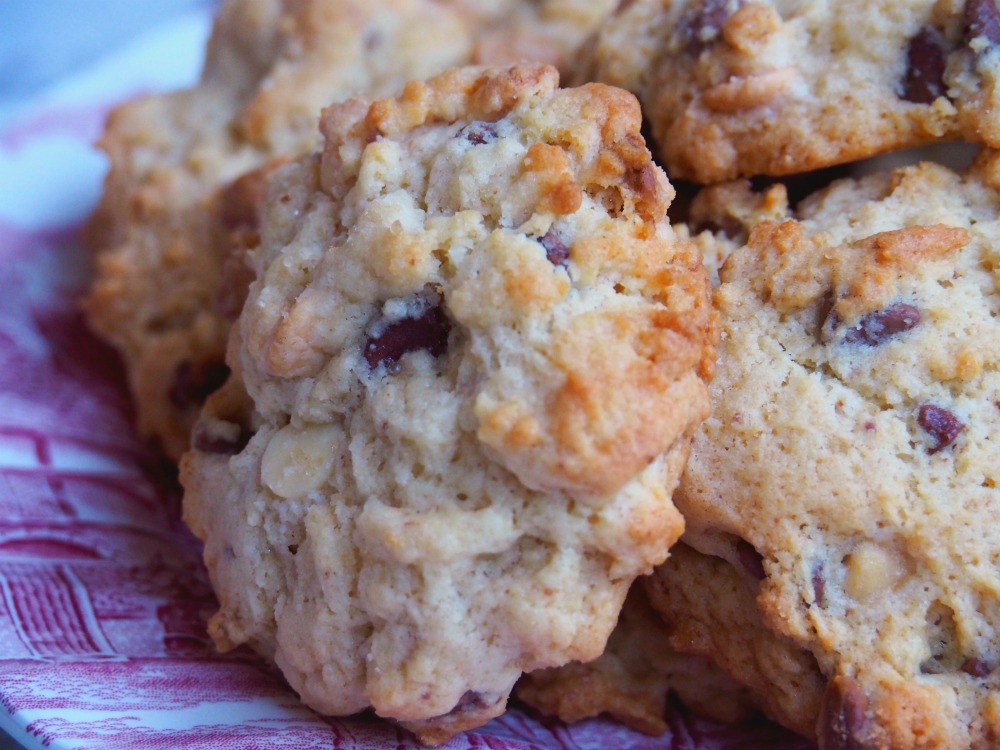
(476, 352)
(847, 480)
(745, 87)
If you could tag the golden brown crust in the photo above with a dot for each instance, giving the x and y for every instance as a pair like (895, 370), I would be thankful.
(661, 358)
(862, 276)
(738, 88)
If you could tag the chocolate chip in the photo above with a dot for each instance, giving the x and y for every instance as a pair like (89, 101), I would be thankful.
(925, 64)
(940, 424)
(428, 331)
(982, 19)
(704, 27)
(191, 385)
(555, 249)
(843, 715)
(819, 586)
(976, 667)
(751, 560)
(208, 441)
(478, 133)
(877, 326)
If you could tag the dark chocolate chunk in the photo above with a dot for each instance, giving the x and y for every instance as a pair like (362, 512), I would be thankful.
(555, 249)
(478, 133)
(925, 64)
(976, 667)
(982, 19)
(940, 424)
(876, 327)
(843, 715)
(428, 331)
(703, 28)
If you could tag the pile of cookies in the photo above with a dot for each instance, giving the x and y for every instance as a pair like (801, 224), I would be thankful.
(445, 379)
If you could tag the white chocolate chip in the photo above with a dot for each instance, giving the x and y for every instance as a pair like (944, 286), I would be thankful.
(299, 460)
(871, 570)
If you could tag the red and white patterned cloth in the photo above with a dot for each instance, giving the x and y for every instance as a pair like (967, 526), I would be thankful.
(103, 600)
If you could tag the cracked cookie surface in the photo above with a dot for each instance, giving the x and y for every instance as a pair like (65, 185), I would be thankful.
(744, 87)
(848, 472)
(476, 352)
(180, 200)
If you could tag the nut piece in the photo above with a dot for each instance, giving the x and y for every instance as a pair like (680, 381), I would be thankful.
(299, 460)
(871, 570)
(747, 92)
